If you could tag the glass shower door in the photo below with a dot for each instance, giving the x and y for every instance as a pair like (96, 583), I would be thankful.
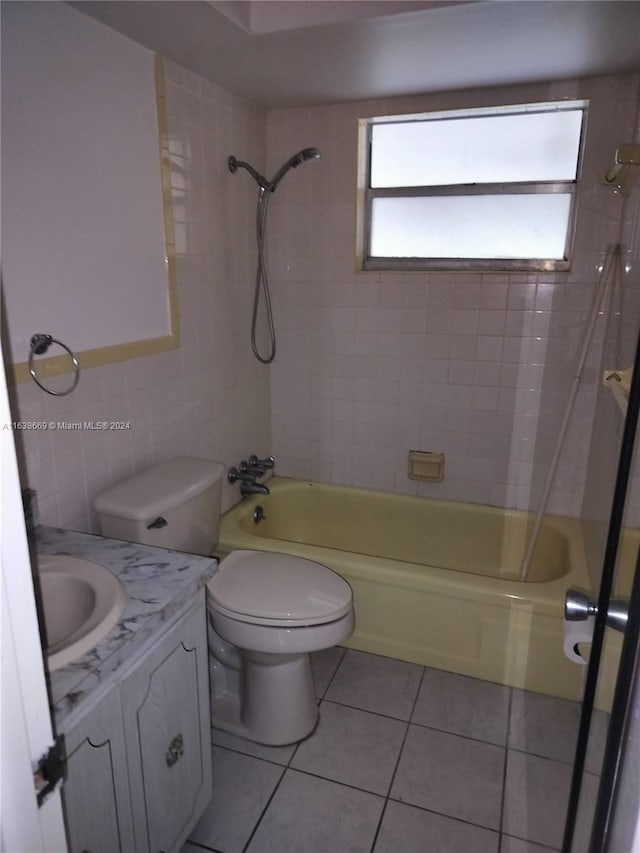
(605, 790)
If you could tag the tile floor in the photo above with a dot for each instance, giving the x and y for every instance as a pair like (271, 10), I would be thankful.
(405, 759)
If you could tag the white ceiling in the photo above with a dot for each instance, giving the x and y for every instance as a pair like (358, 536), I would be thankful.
(258, 16)
(303, 52)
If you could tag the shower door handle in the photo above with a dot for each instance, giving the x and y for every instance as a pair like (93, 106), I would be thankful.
(578, 608)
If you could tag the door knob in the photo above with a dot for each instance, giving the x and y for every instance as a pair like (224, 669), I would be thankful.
(578, 607)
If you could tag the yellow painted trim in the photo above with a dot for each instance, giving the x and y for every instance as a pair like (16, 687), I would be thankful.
(123, 352)
(361, 187)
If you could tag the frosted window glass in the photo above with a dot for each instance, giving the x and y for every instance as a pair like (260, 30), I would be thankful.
(481, 149)
(491, 226)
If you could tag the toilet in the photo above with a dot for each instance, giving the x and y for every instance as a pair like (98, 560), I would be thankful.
(266, 611)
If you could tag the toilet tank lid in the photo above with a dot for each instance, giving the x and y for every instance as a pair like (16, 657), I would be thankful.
(159, 489)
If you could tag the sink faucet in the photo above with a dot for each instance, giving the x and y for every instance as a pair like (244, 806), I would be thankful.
(249, 488)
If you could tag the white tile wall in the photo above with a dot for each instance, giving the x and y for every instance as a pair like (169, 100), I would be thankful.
(477, 366)
(621, 337)
(210, 397)
(370, 365)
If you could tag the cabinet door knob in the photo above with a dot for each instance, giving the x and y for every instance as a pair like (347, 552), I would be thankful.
(175, 751)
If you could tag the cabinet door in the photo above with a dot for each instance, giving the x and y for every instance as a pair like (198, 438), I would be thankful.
(96, 791)
(166, 706)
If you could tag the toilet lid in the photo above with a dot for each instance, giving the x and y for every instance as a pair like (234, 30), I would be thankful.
(279, 587)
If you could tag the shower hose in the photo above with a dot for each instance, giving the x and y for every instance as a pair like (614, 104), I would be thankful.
(262, 283)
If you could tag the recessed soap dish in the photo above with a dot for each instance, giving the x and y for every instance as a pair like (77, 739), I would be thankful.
(426, 466)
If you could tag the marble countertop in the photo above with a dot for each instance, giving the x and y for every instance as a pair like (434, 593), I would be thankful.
(159, 584)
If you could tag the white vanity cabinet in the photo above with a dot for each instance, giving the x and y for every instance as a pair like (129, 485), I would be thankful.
(96, 792)
(139, 764)
(165, 703)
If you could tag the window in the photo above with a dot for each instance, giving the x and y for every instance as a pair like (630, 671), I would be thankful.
(469, 189)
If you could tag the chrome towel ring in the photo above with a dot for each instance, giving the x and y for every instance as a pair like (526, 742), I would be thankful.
(40, 343)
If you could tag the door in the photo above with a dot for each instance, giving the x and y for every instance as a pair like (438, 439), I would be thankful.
(26, 721)
(614, 814)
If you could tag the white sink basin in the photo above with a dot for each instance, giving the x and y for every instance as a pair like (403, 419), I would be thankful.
(81, 602)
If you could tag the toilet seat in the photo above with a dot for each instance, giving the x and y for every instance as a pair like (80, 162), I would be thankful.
(269, 588)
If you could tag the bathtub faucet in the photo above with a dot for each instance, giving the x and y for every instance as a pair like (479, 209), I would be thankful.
(246, 474)
(257, 466)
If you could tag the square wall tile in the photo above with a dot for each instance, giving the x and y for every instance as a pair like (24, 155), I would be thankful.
(160, 394)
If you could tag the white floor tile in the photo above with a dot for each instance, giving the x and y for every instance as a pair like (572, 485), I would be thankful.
(412, 830)
(597, 741)
(241, 789)
(191, 848)
(327, 794)
(518, 845)
(354, 747)
(277, 754)
(323, 665)
(311, 815)
(586, 812)
(463, 706)
(544, 725)
(536, 798)
(451, 775)
(375, 683)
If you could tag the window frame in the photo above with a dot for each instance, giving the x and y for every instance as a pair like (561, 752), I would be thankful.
(367, 194)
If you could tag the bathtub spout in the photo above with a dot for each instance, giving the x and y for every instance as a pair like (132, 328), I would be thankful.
(253, 489)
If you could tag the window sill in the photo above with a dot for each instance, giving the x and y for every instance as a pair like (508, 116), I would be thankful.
(464, 265)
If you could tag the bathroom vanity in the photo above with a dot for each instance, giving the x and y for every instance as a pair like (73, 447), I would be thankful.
(134, 710)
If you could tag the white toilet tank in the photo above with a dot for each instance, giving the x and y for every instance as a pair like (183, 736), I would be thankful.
(174, 505)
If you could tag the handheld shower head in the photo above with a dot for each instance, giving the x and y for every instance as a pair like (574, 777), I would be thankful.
(293, 163)
(309, 154)
(263, 183)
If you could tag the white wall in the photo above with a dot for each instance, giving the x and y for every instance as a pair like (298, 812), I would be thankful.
(209, 398)
(81, 170)
(370, 365)
(477, 366)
